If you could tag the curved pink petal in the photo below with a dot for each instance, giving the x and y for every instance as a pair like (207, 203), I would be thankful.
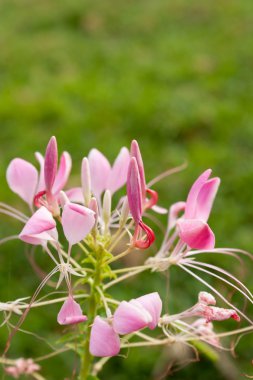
(50, 164)
(159, 210)
(174, 212)
(77, 222)
(75, 195)
(100, 169)
(130, 316)
(153, 304)
(41, 185)
(22, 178)
(118, 174)
(134, 190)
(104, 341)
(41, 227)
(190, 207)
(62, 173)
(206, 198)
(135, 152)
(70, 313)
(196, 233)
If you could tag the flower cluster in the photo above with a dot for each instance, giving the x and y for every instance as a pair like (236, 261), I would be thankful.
(94, 232)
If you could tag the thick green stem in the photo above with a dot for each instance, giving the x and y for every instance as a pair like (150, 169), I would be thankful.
(94, 299)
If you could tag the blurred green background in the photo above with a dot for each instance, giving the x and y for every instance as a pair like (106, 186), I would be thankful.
(175, 75)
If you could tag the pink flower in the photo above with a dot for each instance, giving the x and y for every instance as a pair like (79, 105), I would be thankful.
(40, 228)
(22, 367)
(77, 222)
(54, 178)
(70, 313)
(23, 178)
(135, 201)
(104, 341)
(103, 176)
(193, 227)
(138, 313)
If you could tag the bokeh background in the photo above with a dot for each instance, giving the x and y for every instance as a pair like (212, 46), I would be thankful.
(175, 75)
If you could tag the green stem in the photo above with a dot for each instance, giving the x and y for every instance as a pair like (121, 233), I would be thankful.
(92, 309)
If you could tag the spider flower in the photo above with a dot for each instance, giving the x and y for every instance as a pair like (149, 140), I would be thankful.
(70, 313)
(40, 228)
(137, 314)
(193, 228)
(103, 176)
(104, 341)
(22, 367)
(135, 201)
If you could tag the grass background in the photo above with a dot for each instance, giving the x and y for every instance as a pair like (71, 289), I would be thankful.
(177, 76)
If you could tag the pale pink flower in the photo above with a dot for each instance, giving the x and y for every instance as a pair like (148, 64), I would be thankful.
(22, 367)
(137, 314)
(104, 341)
(77, 222)
(40, 228)
(193, 228)
(70, 313)
(103, 176)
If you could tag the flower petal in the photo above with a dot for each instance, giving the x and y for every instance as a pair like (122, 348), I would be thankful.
(118, 174)
(75, 195)
(50, 165)
(100, 170)
(135, 152)
(174, 211)
(190, 207)
(41, 227)
(77, 222)
(62, 173)
(153, 304)
(134, 190)
(104, 342)
(130, 316)
(22, 178)
(206, 198)
(41, 185)
(70, 313)
(196, 233)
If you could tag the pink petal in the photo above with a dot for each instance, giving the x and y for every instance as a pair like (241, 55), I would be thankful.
(134, 190)
(159, 209)
(130, 316)
(196, 233)
(77, 222)
(70, 313)
(174, 212)
(63, 173)
(118, 174)
(75, 195)
(41, 185)
(135, 152)
(206, 298)
(86, 180)
(100, 170)
(213, 313)
(205, 198)
(41, 227)
(190, 208)
(50, 165)
(153, 304)
(22, 178)
(104, 341)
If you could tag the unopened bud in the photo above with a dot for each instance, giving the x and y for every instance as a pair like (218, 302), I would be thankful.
(86, 181)
(107, 203)
(124, 212)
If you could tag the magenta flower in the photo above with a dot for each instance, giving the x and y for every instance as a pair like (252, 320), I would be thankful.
(104, 341)
(103, 176)
(40, 228)
(135, 201)
(55, 178)
(137, 314)
(70, 313)
(193, 228)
